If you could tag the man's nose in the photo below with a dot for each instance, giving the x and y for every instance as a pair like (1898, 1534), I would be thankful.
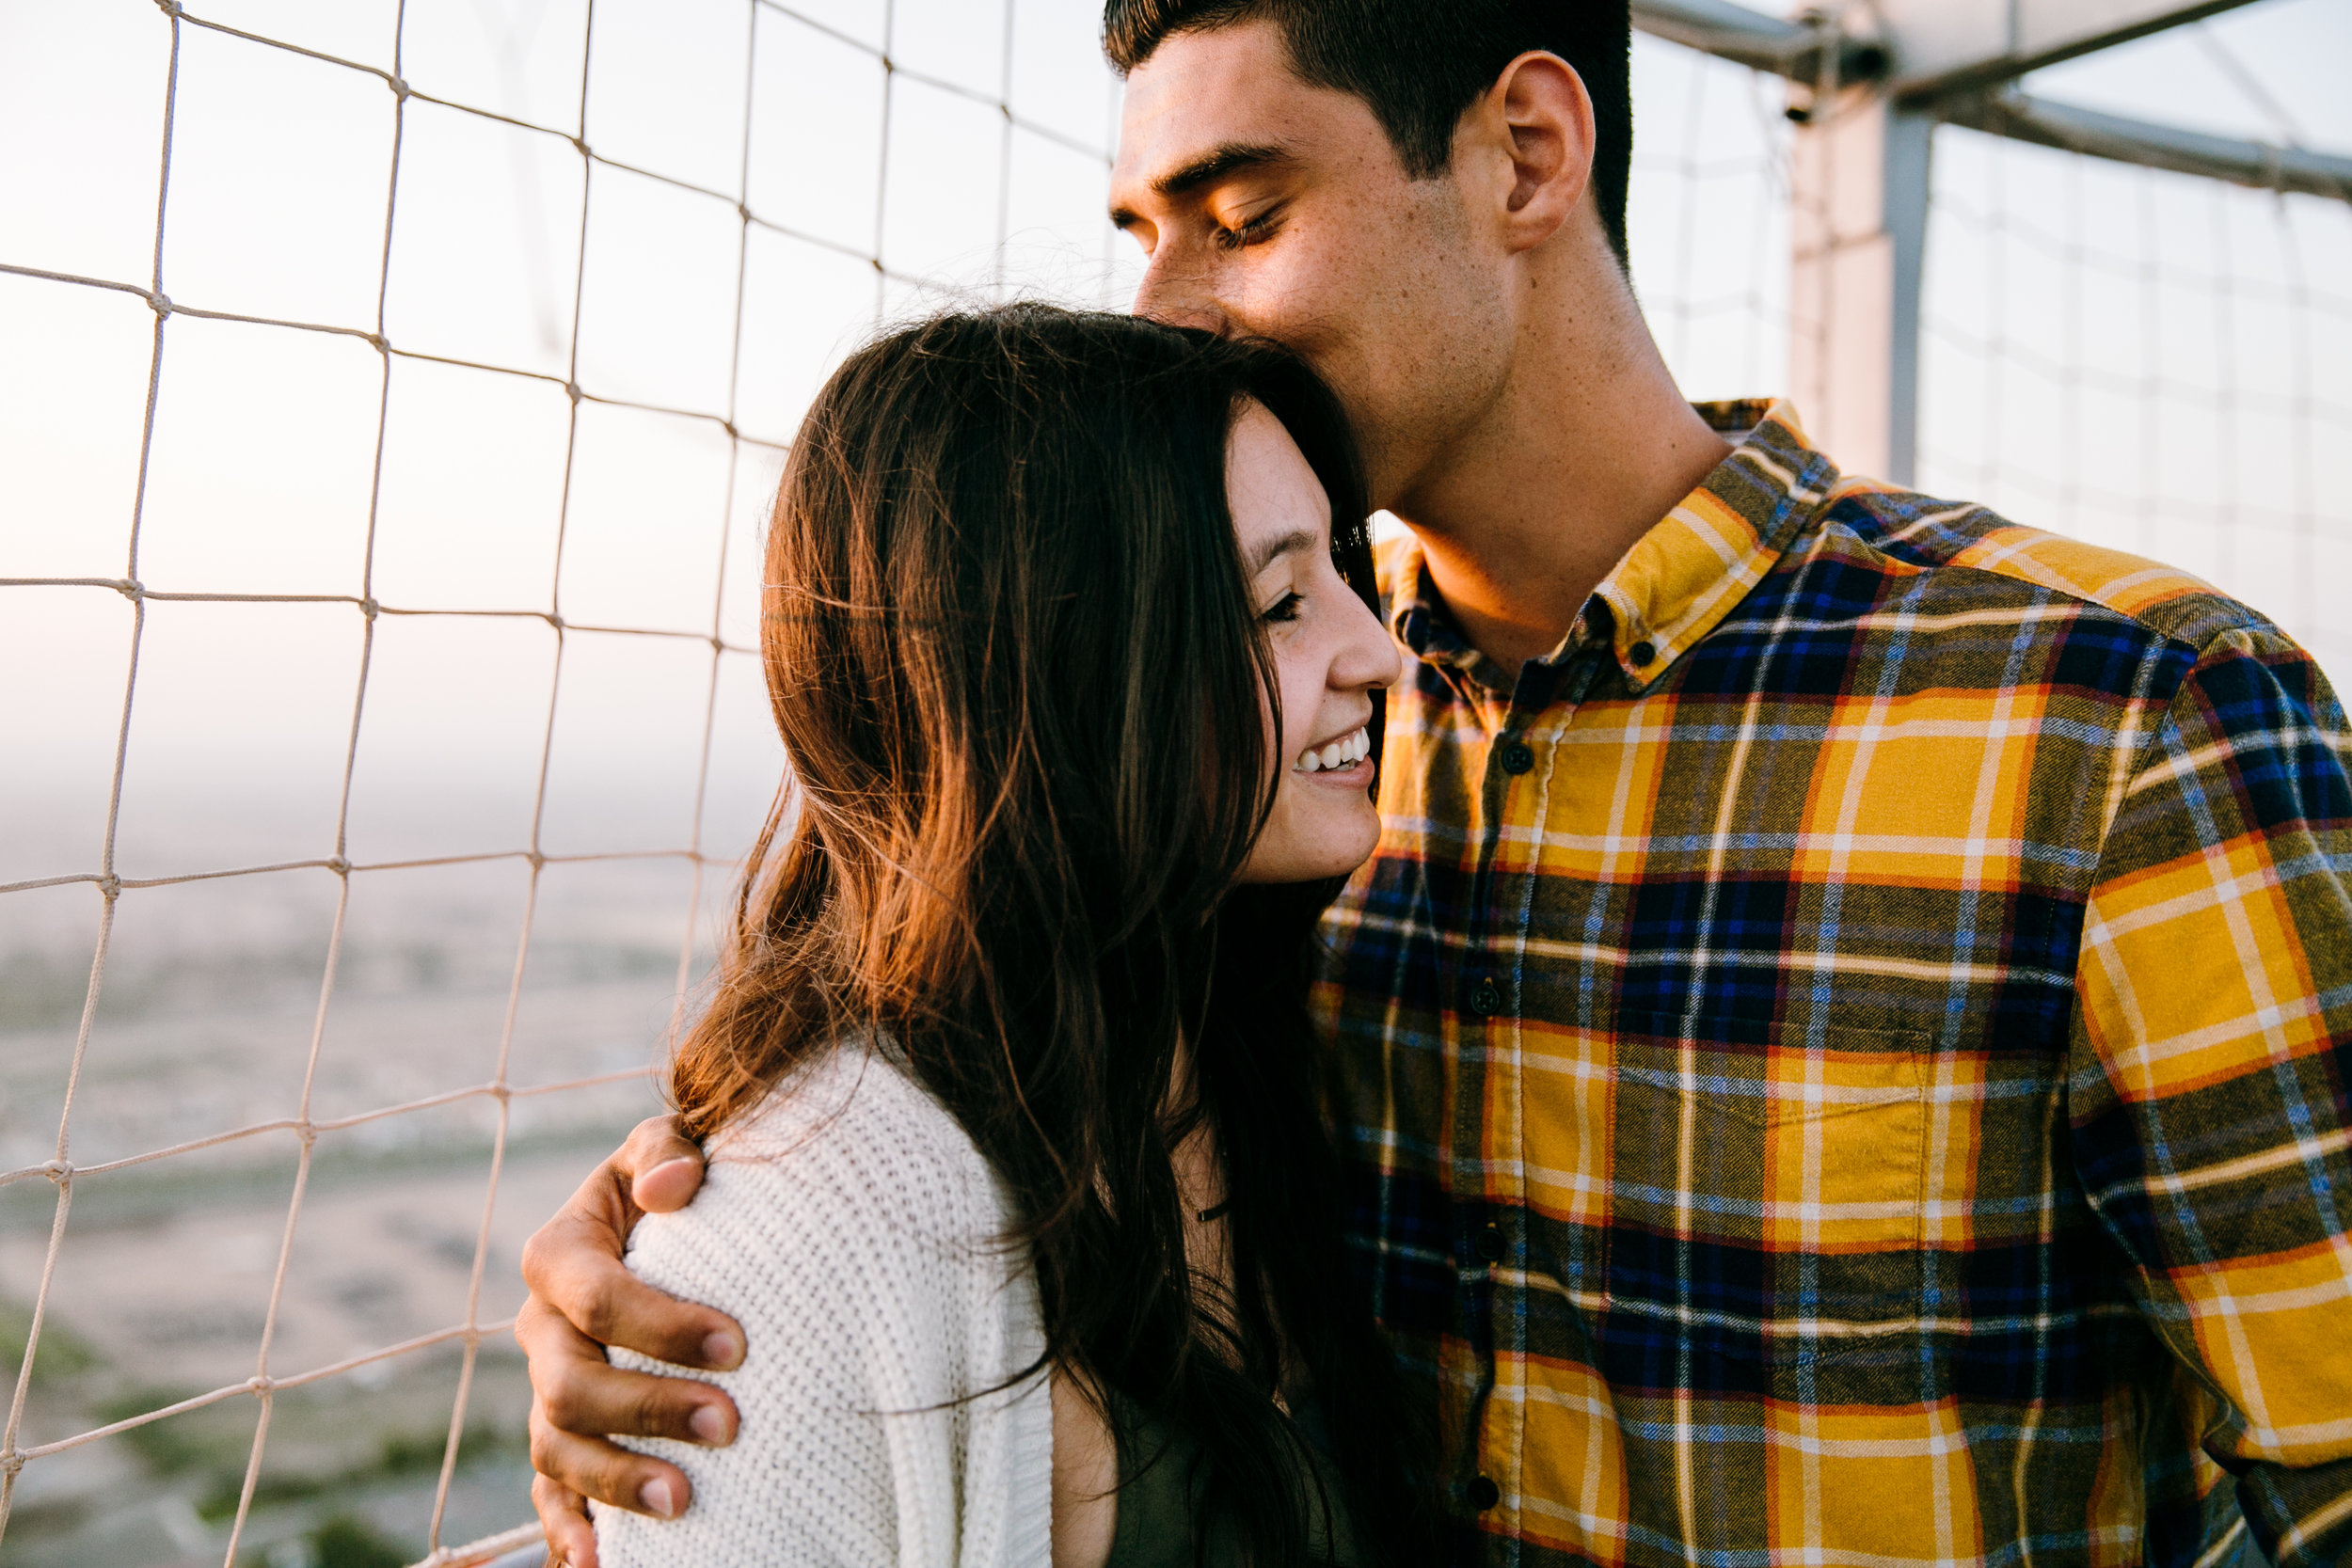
(1177, 294)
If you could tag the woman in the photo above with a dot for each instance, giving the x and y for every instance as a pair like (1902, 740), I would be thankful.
(1019, 1184)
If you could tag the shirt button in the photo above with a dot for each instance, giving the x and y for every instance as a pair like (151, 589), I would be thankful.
(1488, 1244)
(1484, 1494)
(1518, 757)
(1485, 998)
(1641, 653)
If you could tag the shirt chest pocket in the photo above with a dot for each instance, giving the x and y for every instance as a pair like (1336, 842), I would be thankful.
(1767, 1195)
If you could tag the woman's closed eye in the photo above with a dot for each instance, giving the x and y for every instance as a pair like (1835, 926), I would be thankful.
(1286, 608)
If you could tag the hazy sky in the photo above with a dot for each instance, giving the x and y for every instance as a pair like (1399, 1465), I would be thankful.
(2118, 354)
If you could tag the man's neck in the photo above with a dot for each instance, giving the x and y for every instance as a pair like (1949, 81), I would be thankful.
(1588, 445)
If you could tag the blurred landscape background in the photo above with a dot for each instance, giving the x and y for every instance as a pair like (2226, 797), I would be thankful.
(426, 801)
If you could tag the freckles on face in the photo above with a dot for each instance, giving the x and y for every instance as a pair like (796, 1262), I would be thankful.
(1330, 656)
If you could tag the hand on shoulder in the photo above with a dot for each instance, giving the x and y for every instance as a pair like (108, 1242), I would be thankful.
(583, 1298)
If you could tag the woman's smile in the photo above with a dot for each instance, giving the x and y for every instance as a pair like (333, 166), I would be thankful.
(1346, 760)
(1330, 654)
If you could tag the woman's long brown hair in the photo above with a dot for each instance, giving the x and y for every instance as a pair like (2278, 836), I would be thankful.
(1021, 686)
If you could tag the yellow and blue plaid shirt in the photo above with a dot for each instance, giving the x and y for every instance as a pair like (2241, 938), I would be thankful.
(1849, 1059)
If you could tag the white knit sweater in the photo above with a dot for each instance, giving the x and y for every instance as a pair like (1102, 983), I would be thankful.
(854, 1231)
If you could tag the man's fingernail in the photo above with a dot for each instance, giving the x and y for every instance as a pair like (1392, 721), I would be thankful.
(665, 1165)
(720, 1349)
(709, 1425)
(659, 1499)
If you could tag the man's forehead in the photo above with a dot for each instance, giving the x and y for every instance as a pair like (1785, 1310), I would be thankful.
(1203, 91)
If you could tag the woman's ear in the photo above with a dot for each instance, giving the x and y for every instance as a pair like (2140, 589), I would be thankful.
(1535, 128)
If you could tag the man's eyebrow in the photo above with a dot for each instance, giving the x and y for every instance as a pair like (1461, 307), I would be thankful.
(1218, 163)
(1270, 550)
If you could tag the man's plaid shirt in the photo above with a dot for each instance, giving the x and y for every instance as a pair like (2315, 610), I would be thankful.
(1850, 1056)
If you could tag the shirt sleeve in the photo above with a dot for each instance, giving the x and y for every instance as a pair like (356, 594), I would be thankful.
(2211, 1070)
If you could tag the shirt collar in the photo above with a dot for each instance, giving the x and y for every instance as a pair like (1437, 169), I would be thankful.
(1678, 581)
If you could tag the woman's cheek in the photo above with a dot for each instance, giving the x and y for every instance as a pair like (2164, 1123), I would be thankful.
(1302, 701)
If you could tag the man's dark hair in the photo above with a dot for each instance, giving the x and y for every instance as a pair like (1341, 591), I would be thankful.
(1421, 64)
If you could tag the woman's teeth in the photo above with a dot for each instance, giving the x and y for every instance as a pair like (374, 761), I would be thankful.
(1346, 751)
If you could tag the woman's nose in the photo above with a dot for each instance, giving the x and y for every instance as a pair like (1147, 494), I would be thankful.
(1368, 656)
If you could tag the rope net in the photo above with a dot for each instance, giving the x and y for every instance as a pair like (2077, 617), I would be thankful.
(694, 205)
(392, 492)
(1708, 218)
(2147, 360)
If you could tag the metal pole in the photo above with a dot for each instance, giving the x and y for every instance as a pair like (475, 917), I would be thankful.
(1910, 139)
(1858, 228)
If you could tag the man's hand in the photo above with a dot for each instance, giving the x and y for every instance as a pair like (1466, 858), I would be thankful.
(582, 1298)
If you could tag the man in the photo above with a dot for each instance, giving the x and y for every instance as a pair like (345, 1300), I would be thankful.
(1846, 1027)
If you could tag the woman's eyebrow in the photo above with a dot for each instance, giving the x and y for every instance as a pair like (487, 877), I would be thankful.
(1268, 552)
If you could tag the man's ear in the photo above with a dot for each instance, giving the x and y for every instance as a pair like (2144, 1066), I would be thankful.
(1535, 127)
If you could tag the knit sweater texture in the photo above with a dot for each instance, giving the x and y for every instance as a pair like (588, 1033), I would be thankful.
(854, 1231)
